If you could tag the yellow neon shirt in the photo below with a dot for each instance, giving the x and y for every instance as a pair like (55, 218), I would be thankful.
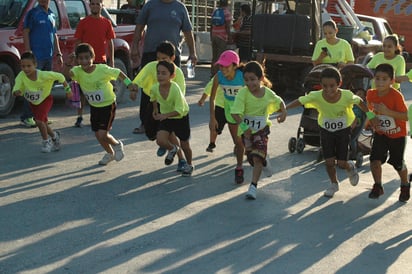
(256, 108)
(341, 52)
(96, 85)
(147, 77)
(175, 100)
(220, 96)
(398, 64)
(332, 116)
(38, 90)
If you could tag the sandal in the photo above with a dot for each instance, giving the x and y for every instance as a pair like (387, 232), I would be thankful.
(139, 130)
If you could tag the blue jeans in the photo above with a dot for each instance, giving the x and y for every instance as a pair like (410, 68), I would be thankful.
(41, 65)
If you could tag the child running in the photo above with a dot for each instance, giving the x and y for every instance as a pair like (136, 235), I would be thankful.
(230, 79)
(390, 134)
(219, 113)
(94, 80)
(145, 79)
(173, 115)
(335, 119)
(391, 55)
(251, 109)
(36, 85)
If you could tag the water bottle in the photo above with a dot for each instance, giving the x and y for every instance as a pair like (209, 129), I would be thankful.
(190, 69)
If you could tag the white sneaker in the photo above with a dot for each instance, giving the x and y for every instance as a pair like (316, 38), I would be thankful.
(353, 174)
(56, 141)
(47, 146)
(251, 193)
(267, 170)
(330, 191)
(107, 158)
(118, 151)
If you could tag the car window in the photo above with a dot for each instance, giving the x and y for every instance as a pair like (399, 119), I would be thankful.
(11, 11)
(53, 8)
(75, 11)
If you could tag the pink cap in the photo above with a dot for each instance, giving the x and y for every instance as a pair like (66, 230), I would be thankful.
(227, 58)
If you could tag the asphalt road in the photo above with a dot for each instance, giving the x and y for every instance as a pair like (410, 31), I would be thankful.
(62, 213)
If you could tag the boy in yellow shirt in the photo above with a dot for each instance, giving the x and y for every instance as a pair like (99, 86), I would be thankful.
(35, 85)
(94, 80)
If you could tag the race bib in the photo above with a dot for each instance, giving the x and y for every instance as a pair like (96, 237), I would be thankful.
(256, 123)
(386, 123)
(32, 96)
(334, 124)
(94, 96)
(231, 92)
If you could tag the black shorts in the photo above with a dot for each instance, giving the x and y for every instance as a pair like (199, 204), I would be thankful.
(181, 127)
(382, 144)
(220, 118)
(101, 118)
(335, 144)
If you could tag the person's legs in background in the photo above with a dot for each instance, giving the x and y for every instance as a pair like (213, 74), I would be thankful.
(147, 57)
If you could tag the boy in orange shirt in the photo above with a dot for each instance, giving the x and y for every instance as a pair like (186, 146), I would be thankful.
(389, 107)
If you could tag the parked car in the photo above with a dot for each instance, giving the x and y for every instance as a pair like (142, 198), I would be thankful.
(68, 14)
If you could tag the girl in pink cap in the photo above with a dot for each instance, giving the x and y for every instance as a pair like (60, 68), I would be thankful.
(230, 79)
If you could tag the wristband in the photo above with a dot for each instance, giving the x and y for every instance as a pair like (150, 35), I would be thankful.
(370, 115)
(127, 82)
(59, 54)
(243, 126)
(67, 89)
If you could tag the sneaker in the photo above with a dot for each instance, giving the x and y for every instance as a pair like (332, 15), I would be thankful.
(118, 151)
(251, 193)
(28, 122)
(239, 175)
(107, 158)
(377, 190)
(353, 174)
(79, 122)
(187, 170)
(330, 191)
(56, 141)
(161, 151)
(171, 155)
(210, 147)
(405, 193)
(47, 146)
(181, 165)
(267, 169)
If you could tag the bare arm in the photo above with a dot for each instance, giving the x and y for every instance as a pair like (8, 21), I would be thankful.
(293, 104)
(134, 52)
(26, 39)
(190, 40)
(57, 50)
(111, 53)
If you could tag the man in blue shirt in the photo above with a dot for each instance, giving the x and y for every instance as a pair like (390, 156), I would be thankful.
(39, 35)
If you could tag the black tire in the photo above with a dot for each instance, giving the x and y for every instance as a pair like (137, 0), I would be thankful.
(6, 84)
(119, 85)
(300, 145)
(292, 145)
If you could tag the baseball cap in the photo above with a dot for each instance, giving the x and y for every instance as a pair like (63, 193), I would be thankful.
(227, 58)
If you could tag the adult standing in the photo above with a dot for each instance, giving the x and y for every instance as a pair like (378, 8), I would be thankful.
(98, 32)
(164, 20)
(220, 34)
(244, 34)
(40, 37)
